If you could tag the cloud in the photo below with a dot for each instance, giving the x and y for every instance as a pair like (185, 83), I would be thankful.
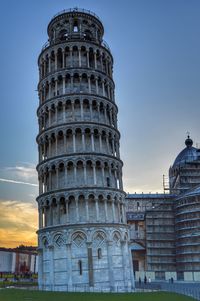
(17, 182)
(24, 173)
(18, 223)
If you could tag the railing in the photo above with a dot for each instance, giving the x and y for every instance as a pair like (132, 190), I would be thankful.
(45, 45)
(76, 9)
(82, 288)
(103, 43)
(188, 289)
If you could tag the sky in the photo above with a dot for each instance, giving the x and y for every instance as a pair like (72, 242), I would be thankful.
(155, 45)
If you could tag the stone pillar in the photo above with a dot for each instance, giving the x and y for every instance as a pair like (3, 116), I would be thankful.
(56, 142)
(109, 97)
(105, 115)
(103, 86)
(40, 270)
(40, 153)
(85, 173)
(103, 174)
(97, 86)
(124, 261)
(65, 142)
(90, 104)
(71, 83)
(131, 267)
(63, 58)
(51, 267)
(63, 106)
(107, 144)
(117, 149)
(101, 62)
(40, 218)
(90, 264)
(44, 120)
(45, 154)
(74, 142)
(63, 84)
(45, 67)
(73, 111)
(81, 104)
(113, 211)
(94, 173)
(49, 117)
(45, 182)
(100, 142)
(119, 211)
(49, 142)
(56, 62)
(65, 167)
(49, 64)
(113, 147)
(115, 178)
(57, 179)
(40, 185)
(89, 85)
(70, 53)
(98, 111)
(95, 60)
(75, 174)
(77, 210)
(88, 61)
(58, 213)
(56, 113)
(110, 265)
(67, 212)
(79, 56)
(120, 181)
(106, 209)
(83, 141)
(97, 210)
(69, 266)
(49, 90)
(92, 140)
(87, 210)
(50, 180)
(124, 213)
(51, 215)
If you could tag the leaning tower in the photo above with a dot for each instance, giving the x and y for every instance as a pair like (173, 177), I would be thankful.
(83, 236)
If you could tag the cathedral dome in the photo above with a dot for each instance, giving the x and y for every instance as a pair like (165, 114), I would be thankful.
(188, 154)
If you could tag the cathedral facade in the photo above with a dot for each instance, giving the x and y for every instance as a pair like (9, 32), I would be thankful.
(165, 228)
(83, 234)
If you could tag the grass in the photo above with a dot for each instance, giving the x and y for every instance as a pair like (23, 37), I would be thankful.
(8, 276)
(26, 295)
(4, 284)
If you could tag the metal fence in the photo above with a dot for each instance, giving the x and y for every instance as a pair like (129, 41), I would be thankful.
(188, 289)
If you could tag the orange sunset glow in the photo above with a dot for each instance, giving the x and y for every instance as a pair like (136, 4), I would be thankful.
(18, 223)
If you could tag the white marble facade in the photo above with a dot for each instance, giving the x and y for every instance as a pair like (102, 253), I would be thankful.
(83, 236)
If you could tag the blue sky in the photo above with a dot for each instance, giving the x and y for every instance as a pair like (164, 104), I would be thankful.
(156, 46)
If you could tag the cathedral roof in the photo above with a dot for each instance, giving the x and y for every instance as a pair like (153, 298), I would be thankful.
(188, 154)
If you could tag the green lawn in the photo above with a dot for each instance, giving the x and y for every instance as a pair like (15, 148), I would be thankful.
(25, 295)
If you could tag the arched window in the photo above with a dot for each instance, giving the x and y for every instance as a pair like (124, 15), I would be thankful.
(75, 28)
(138, 206)
(99, 253)
(80, 267)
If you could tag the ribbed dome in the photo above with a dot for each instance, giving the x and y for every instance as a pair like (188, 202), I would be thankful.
(188, 154)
